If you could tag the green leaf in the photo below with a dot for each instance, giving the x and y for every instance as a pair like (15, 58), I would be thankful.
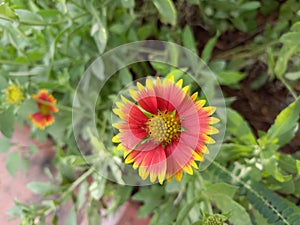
(28, 17)
(188, 39)
(71, 218)
(232, 151)
(183, 213)
(151, 197)
(285, 125)
(206, 53)
(250, 5)
(15, 162)
(293, 75)
(270, 164)
(298, 166)
(43, 188)
(220, 188)
(97, 187)
(292, 38)
(125, 76)
(75, 160)
(6, 11)
(166, 10)
(230, 77)
(7, 122)
(81, 196)
(4, 144)
(285, 54)
(93, 213)
(240, 128)
(128, 3)
(237, 213)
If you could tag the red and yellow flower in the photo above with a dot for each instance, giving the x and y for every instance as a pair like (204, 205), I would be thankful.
(164, 130)
(46, 105)
(14, 94)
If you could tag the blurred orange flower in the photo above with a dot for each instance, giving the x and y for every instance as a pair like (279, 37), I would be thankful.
(46, 104)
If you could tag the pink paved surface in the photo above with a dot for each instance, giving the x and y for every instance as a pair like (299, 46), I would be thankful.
(16, 187)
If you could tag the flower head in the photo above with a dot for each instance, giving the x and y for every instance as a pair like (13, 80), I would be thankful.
(164, 130)
(46, 105)
(14, 94)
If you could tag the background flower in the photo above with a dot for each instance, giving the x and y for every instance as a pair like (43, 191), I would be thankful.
(14, 94)
(46, 105)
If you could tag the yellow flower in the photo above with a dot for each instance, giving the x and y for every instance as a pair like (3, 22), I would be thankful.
(14, 94)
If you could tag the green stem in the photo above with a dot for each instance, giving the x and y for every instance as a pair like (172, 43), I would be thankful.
(292, 92)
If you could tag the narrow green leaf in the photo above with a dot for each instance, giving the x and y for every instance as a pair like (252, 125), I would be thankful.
(285, 125)
(188, 39)
(206, 53)
(298, 166)
(240, 128)
(166, 10)
(230, 77)
(250, 5)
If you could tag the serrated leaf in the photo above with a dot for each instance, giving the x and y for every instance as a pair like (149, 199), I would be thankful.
(166, 11)
(285, 125)
(240, 128)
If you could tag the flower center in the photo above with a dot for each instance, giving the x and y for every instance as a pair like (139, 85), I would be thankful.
(44, 109)
(163, 128)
